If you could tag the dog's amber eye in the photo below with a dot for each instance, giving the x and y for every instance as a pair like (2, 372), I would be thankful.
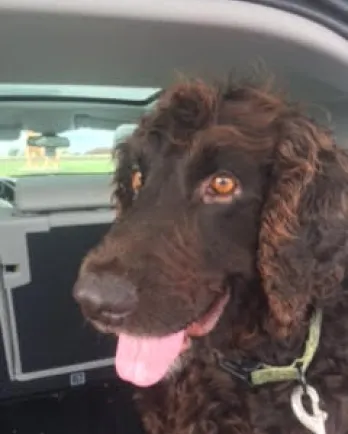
(137, 181)
(223, 184)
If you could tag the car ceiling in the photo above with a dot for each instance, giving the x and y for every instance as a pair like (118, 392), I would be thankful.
(147, 43)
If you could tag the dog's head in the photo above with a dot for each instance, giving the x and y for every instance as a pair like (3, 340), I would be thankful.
(225, 198)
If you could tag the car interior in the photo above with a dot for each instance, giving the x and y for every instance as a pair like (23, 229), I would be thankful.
(97, 67)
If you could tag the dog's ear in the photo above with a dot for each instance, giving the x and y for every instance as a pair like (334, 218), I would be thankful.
(303, 241)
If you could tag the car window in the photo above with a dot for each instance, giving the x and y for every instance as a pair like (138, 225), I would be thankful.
(85, 150)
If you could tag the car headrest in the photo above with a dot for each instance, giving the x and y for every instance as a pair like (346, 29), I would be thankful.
(63, 192)
(122, 132)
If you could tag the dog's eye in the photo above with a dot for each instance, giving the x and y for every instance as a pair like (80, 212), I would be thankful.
(221, 188)
(137, 181)
(223, 185)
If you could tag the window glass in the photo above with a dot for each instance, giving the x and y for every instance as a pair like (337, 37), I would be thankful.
(84, 150)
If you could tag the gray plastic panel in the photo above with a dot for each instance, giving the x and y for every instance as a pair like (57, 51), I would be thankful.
(15, 260)
(63, 192)
(144, 43)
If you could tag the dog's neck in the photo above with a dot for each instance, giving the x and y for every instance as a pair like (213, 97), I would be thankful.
(258, 373)
(249, 336)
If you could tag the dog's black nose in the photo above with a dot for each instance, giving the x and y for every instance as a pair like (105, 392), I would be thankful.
(105, 297)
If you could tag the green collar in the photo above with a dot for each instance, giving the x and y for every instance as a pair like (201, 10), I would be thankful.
(258, 374)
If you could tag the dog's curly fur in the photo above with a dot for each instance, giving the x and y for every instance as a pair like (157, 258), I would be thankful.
(279, 248)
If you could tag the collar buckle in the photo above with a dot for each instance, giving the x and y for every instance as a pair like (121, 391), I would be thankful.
(242, 371)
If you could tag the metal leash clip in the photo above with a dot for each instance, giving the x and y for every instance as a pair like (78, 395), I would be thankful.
(315, 422)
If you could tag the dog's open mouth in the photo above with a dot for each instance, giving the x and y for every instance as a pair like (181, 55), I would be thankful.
(144, 361)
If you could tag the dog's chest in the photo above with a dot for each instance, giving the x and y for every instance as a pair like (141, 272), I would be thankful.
(212, 406)
(271, 411)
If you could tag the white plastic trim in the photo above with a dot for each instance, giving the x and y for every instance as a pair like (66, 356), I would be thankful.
(223, 13)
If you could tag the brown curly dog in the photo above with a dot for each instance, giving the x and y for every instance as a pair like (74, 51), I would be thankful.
(224, 274)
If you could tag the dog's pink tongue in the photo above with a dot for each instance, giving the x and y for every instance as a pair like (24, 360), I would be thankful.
(145, 361)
